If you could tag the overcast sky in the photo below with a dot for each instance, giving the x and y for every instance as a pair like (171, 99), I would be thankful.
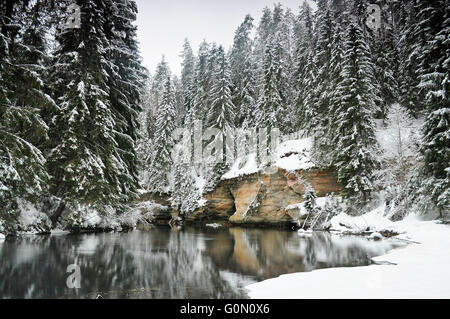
(164, 24)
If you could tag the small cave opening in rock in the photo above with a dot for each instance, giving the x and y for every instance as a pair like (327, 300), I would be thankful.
(233, 209)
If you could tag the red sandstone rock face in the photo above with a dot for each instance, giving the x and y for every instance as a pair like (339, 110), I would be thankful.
(262, 198)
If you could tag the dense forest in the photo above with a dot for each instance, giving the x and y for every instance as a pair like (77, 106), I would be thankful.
(84, 126)
(69, 105)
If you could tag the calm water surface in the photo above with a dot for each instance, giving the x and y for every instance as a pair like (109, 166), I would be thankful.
(165, 263)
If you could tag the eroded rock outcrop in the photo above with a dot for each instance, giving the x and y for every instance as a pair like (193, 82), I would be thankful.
(261, 199)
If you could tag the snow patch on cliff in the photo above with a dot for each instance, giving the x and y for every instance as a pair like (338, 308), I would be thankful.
(245, 165)
(290, 155)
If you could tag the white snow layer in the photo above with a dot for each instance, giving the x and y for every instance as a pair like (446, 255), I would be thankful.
(244, 165)
(213, 225)
(421, 269)
(290, 155)
(30, 216)
(295, 155)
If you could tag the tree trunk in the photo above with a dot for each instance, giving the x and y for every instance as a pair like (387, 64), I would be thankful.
(58, 213)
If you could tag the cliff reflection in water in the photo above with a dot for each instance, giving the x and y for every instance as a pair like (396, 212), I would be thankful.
(162, 263)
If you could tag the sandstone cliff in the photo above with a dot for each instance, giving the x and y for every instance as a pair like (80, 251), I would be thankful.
(261, 198)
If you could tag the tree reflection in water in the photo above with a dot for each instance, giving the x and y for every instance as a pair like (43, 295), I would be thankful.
(162, 263)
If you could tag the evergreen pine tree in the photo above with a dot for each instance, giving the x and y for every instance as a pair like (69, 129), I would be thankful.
(126, 78)
(222, 111)
(325, 129)
(408, 48)
(271, 100)
(185, 193)
(435, 81)
(157, 89)
(317, 99)
(221, 115)
(385, 57)
(263, 33)
(187, 77)
(201, 84)
(23, 132)
(303, 42)
(354, 138)
(84, 163)
(158, 178)
(242, 74)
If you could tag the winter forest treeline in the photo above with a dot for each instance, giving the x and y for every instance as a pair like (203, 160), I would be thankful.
(328, 74)
(82, 123)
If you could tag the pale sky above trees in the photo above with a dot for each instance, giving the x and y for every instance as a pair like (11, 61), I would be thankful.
(164, 24)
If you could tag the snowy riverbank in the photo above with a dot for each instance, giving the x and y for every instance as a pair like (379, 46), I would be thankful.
(421, 270)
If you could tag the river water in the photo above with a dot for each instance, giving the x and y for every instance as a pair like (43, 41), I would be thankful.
(166, 263)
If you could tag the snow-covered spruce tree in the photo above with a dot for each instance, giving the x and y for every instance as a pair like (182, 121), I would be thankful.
(222, 111)
(271, 100)
(185, 193)
(145, 141)
(283, 60)
(274, 50)
(221, 114)
(309, 198)
(316, 95)
(243, 74)
(326, 123)
(179, 102)
(187, 77)
(158, 176)
(409, 44)
(303, 34)
(383, 43)
(157, 88)
(85, 162)
(285, 40)
(248, 107)
(307, 96)
(201, 85)
(354, 137)
(263, 32)
(23, 133)
(435, 80)
(126, 78)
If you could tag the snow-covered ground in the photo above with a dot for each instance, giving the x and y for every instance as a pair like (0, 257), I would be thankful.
(421, 270)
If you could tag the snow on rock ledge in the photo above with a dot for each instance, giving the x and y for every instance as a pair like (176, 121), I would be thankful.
(291, 155)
